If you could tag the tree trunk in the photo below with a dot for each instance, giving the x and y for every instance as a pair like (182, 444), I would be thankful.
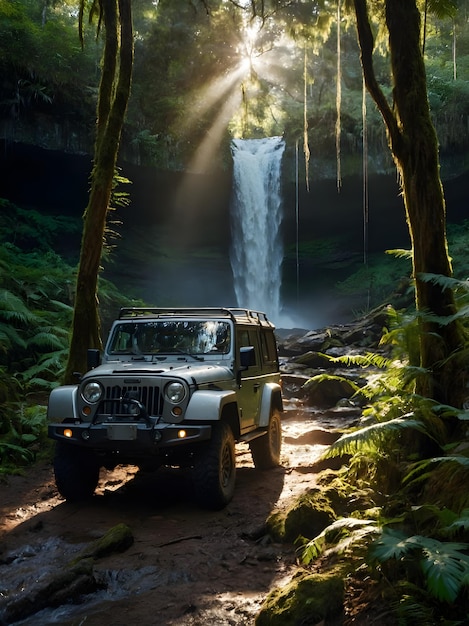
(414, 146)
(114, 91)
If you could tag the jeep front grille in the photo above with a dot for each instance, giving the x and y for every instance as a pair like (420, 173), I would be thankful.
(116, 400)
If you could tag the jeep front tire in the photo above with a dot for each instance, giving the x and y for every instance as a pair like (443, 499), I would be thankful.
(265, 450)
(214, 471)
(76, 472)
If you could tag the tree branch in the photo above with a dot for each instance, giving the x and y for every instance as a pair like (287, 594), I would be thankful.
(366, 42)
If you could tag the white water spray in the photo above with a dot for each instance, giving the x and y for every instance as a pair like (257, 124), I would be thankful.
(257, 250)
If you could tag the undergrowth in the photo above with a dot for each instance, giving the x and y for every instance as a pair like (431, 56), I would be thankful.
(411, 536)
(36, 304)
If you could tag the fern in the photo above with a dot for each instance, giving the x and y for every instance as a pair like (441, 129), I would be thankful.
(322, 377)
(369, 359)
(13, 309)
(371, 437)
(343, 534)
(420, 470)
(410, 611)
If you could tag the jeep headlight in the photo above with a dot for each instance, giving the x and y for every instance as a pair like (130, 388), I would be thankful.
(175, 392)
(92, 392)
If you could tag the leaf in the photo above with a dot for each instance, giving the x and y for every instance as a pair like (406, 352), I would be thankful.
(445, 568)
(371, 436)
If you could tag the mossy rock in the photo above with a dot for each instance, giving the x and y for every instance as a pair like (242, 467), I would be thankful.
(307, 600)
(117, 539)
(326, 391)
(307, 516)
(275, 525)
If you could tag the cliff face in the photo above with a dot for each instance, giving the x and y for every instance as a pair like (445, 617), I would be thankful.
(175, 237)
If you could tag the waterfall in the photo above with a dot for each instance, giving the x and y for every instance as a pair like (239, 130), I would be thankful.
(256, 215)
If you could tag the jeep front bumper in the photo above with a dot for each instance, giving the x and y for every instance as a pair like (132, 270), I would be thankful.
(132, 437)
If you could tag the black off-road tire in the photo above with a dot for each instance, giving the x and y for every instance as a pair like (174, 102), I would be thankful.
(265, 450)
(214, 471)
(76, 472)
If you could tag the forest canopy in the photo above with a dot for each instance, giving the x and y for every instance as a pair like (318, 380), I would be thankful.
(211, 69)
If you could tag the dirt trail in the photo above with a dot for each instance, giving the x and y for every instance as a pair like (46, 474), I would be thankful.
(186, 566)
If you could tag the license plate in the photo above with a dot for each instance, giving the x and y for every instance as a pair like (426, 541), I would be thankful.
(122, 432)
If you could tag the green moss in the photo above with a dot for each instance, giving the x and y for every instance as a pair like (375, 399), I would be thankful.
(276, 525)
(307, 599)
(117, 539)
(308, 515)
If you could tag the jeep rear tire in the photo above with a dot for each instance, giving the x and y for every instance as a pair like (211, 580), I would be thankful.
(265, 450)
(76, 472)
(214, 471)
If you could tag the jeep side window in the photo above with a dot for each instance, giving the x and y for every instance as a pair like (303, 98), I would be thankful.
(247, 338)
(269, 348)
(122, 341)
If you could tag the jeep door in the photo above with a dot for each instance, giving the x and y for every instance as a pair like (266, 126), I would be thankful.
(250, 392)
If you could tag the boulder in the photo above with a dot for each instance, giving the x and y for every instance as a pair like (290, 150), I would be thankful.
(326, 391)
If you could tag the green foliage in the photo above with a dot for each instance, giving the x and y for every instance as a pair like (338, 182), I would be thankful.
(408, 450)
(347, 535)
(444, 565)
(382, 279)
(22, 436)
(36, 298)
(194, 58)
(44, 70)
(370, 438)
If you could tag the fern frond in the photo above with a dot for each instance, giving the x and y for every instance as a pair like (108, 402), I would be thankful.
(13, 309)
(343, 533)
(422, 466)
(458, 524)
(369, 359)
(445, 282)
(400, 253)
(47, 340)
(370, 437)
(322, 377)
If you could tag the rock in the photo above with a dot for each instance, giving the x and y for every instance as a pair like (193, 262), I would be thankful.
(307, 516)
(313, 340)
(315, 360)
(365, 332)
(68, 584)
(327, 391)
(64, 586)
(117, 539)
(307, 599)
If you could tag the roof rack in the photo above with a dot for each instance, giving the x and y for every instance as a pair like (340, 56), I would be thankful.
(238, 315)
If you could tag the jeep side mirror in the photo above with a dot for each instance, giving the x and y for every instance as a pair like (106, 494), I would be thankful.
(93, 358)
(247, 357)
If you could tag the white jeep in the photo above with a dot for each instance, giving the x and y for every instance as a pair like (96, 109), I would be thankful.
(174, 387)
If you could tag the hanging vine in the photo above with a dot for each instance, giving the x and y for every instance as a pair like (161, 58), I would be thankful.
(365, 177)
(338, 102)
(305, 121)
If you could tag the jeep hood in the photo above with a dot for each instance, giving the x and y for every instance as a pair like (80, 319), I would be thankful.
(193, 371)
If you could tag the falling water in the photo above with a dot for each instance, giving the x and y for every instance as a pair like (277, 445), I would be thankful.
(257, 251)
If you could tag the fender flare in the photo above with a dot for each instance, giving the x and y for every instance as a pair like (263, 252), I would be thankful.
(207, 405)
(62, 403)
(271, 399)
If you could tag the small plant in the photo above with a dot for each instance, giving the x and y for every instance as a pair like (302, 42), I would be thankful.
(443, 565)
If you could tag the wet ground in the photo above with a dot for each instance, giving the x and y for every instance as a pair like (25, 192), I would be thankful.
(186, 567)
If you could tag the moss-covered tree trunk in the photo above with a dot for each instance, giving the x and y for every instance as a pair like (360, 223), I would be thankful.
(414, 146)
(114, 91)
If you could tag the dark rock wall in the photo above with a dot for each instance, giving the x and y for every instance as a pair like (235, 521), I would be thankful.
(175, 236)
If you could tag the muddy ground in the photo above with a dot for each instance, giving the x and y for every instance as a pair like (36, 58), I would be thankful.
(186, 566)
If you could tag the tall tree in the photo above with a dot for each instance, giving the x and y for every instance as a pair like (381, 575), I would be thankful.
(114, 91)
(414, 145)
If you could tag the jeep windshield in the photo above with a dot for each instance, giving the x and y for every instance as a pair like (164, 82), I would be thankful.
(191, 337)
